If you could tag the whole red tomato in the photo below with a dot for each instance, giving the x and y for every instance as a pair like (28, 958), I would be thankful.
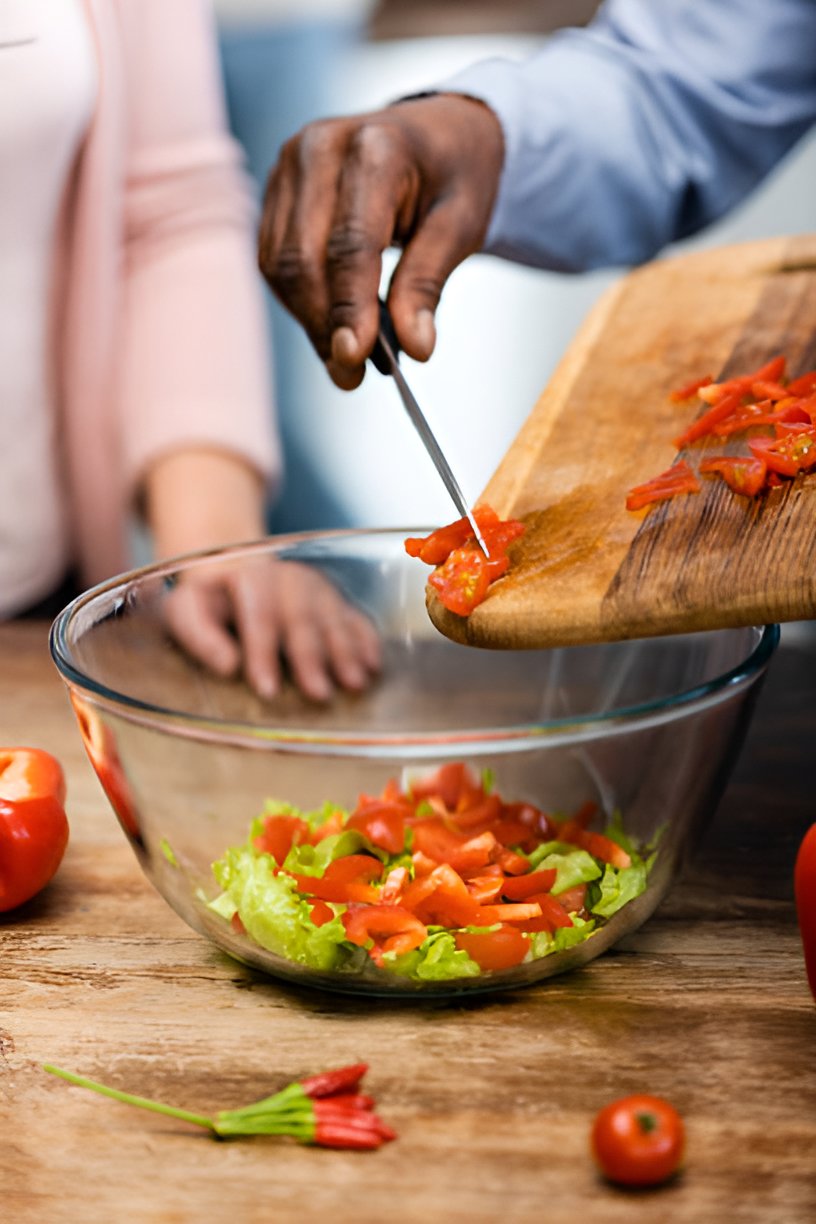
(33, 825)
(638, 1140)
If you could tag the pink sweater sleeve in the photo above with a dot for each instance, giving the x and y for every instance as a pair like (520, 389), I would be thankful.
(194, 367)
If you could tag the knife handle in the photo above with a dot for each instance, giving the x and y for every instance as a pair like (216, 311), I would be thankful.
(378, 354)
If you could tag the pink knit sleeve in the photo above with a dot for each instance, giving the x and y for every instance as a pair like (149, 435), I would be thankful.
(194, 367)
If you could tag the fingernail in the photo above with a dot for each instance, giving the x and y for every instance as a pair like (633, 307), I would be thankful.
(425, 331)
(344, 346)
(266, 687)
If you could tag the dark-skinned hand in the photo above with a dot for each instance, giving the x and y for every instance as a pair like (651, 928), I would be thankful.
(421, 175)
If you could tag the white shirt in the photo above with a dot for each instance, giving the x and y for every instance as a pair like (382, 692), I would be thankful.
(48, 82)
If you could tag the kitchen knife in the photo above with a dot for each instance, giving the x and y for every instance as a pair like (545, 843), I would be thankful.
(384, 357)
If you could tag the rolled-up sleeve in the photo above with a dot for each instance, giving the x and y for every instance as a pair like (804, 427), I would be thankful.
(644, 127)
(194, 369)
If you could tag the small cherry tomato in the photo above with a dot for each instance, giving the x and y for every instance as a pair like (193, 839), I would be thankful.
(638, 1140)
(33, 825)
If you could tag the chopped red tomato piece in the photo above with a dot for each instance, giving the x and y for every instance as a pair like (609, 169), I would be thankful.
(462, 580)
(321, 913)
(519, 888)
(676, 480)
(788, 455)
(383, 823)
(511, 911)
(551, 916)
(805, 384)
(392, 928)
(499, 949)
(703, 425)
(595, 844)
(690, 389)
(280, 834)
(743, 474)
(464, 572)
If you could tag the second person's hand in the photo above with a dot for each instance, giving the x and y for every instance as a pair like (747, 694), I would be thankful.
(423, 175)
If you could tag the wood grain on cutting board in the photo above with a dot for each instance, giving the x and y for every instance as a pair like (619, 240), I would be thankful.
(589, 570)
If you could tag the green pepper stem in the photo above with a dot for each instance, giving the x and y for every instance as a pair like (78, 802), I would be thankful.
(128, 1099)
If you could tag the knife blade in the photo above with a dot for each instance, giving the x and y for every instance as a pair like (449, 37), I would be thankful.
(385, 358)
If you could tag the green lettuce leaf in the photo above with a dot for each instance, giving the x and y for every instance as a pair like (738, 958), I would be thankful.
(273, 913)
(544, 944)
(313, 860)
(619, 885)
(435, 960)
(573, 868)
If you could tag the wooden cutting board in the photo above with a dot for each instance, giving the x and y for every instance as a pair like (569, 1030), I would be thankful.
(589, 570)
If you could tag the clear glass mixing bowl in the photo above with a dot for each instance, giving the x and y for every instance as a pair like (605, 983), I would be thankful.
(649, 728)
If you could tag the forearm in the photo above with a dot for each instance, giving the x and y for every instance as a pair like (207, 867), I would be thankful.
(198, 498)
(644, 127)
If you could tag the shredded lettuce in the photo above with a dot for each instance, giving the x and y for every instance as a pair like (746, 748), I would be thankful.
(313, 860)
(573, 868)
(618, 885)
(436, 960)
(544, 944)
(273, 913)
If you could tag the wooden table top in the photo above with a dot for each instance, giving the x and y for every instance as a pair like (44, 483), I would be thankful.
(707, 1005)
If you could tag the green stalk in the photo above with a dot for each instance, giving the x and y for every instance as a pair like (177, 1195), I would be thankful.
(128, 1099)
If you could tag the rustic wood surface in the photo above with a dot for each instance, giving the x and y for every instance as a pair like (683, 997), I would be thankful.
(587, 569)
(707, 1005)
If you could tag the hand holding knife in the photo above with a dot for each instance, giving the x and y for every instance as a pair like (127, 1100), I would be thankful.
(384, 357)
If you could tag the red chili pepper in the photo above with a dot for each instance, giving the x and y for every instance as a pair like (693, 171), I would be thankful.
(804, 880)
(327, 1083)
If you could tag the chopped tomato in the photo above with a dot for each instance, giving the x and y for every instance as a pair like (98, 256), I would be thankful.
(484, 889)
(789, 455)
(280, 834)
(690, 389)
(341, 891)
(383, 823)
(596, 844)
(743, 474)
(392, 928)
(676, 480)
(321, 913)
(551, 915)
(518, 888)
(500, 949)
(484, 811)
(513, 911)
(464, 572)
(805, 384)
(354, 868)
(704, 424)
(462, 580)
(449, 782)
(572, 900)
(442, 898)
(394, 883)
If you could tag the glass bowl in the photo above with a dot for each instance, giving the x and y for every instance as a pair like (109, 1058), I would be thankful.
(641, 733)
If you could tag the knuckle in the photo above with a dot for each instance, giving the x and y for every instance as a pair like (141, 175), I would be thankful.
(349, 243)
(375, 145)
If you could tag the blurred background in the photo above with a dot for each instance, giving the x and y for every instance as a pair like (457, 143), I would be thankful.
(353, 459)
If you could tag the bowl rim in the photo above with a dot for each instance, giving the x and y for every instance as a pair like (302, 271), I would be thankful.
(199, 726)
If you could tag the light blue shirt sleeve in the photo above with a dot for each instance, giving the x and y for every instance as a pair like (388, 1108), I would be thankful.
(645, 126)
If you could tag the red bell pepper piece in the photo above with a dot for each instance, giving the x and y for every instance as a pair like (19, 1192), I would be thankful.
(33, 824)
(804, 880)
